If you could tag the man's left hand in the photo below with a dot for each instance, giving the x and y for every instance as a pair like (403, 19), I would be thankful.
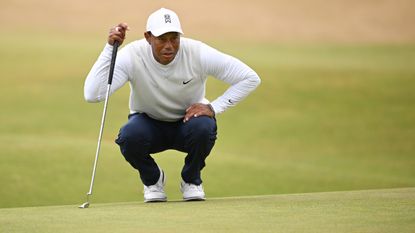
(196, 110)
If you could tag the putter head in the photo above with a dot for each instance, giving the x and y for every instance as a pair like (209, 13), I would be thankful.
(84, 206)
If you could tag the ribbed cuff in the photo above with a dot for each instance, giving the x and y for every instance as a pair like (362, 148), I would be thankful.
(211, 108)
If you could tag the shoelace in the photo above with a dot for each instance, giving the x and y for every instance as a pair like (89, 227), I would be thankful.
(153, 188)
(193, 187)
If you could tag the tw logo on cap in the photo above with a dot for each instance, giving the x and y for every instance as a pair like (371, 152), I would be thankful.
(167, 18)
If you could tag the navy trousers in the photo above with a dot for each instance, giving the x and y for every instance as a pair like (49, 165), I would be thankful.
(142, 136)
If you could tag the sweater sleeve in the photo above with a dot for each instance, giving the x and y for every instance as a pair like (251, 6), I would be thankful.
(95, 86)
(242, 79)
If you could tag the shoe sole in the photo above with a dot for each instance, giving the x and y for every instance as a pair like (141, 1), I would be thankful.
(194, 199)
(155, 200)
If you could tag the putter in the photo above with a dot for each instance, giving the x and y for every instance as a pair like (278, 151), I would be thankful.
(112, 65)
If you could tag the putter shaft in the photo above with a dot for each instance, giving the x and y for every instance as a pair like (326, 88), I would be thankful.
(101, 130)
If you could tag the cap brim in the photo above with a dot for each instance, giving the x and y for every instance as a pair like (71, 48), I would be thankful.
(161, 31)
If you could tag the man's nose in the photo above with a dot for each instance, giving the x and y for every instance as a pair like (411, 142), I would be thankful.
(168, 45)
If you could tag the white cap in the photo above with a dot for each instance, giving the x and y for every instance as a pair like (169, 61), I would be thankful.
(163, 21)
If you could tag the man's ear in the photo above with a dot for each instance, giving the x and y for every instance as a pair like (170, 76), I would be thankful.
(147, 35)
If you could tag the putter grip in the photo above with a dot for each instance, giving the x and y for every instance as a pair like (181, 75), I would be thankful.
(112, 65)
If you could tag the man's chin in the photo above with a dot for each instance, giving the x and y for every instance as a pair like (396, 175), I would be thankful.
(166, 59)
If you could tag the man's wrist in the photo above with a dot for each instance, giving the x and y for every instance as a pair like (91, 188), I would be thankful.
(211, 109)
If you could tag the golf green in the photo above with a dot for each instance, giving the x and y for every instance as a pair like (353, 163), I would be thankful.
(389, 210)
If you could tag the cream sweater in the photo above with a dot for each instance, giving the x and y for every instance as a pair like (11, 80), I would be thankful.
(165, 91)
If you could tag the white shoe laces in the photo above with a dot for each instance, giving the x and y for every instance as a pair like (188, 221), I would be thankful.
(153, 188)
(192, 187)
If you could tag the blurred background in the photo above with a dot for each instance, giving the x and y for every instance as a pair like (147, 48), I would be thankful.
(335, 110)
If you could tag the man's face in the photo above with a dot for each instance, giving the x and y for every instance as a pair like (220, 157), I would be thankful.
(164, 47)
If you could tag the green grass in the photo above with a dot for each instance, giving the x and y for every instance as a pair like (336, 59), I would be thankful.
(391, 210)
(325, 118)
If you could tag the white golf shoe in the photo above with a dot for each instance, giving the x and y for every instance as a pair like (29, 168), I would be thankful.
(155, 193)
(192, 192)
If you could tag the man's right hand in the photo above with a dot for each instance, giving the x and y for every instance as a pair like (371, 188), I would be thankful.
(117, 33)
